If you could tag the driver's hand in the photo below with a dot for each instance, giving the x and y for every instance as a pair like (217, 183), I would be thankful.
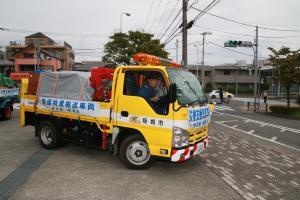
(155, 99)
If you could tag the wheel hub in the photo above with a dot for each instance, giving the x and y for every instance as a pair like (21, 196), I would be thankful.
(46, 135)
(138, 153)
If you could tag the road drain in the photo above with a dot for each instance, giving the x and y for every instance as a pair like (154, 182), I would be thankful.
(15, 179)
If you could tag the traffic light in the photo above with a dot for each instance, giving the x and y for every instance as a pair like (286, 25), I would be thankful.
(236, 43)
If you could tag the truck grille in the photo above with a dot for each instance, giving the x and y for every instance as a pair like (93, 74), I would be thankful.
(197, 136)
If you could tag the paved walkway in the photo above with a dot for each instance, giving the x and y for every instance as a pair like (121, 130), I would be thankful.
(254, 170)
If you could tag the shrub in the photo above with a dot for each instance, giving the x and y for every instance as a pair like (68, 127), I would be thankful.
(285, 110)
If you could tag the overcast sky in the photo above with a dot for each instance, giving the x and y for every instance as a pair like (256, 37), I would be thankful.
(87, 24)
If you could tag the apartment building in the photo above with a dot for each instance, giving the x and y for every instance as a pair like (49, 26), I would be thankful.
(227, 76)
(58, 51)
(6, 66)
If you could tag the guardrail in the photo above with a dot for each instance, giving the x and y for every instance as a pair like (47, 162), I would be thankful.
(259, 107)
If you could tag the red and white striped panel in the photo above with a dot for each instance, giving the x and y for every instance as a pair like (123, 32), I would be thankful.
(185, 154)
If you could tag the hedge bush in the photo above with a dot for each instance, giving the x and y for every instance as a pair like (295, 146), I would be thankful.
(285, 110)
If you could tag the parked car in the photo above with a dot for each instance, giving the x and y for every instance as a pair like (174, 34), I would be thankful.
(215, 94)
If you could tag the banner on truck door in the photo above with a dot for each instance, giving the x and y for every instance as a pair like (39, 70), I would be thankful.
(199, 116)
(9, 92)
(87, 108)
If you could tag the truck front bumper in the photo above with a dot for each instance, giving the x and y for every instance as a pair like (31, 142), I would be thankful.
(180, 155)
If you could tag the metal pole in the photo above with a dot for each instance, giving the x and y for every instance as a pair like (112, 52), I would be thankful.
(176, 44)
(202, 70)
(197, 70)
(255, 66)
(35, 56)
(236, 84)
(184, 32)
(127, 14)
(121, 22)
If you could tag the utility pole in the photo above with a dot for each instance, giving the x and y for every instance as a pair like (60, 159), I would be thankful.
(184, 33)
(202, 62)
(176, 44)
(255, 67)
(197, 62)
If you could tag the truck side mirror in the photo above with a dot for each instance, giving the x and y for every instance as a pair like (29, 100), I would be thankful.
(172, 93)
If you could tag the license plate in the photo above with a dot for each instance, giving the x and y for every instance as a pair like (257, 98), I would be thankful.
(200, 148)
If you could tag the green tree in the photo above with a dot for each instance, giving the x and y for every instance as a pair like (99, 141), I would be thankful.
(264, 86)
(208, 87)
(122, 46)
(286, 63)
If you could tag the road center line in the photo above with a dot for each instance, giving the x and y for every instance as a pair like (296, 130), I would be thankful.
(247, 120)
(250, 133)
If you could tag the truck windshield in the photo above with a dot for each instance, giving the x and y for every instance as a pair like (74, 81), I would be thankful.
(189, 90)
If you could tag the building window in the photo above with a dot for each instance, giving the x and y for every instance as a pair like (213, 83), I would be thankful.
(226, 72)
(206, 73)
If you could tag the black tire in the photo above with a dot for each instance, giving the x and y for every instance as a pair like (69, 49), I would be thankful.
(229, 96)
(49, 134)
(141, 159)
(213, 96)
(7, 112)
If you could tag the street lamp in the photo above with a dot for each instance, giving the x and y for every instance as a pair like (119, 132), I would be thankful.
(197, 61)
(202, 63)
(124, 13)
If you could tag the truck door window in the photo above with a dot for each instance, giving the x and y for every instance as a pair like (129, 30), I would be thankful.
(149, 85)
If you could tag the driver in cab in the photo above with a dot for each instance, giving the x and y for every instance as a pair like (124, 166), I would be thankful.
(150, 92)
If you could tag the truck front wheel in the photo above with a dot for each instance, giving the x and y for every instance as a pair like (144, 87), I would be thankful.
(49, 135)
(135, 153)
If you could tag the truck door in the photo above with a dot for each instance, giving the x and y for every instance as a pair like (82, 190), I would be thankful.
(154, 120)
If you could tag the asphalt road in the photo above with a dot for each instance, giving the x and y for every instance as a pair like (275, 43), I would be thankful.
(236, 165)
(74, 172)
(281, 131)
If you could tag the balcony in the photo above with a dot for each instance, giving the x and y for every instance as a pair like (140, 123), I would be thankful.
(56, 43)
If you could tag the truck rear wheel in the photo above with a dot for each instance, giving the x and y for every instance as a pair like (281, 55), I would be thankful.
(7, 112)
(49, 134)
(135, 153)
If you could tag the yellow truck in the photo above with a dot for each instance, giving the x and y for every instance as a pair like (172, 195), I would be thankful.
(174, 127)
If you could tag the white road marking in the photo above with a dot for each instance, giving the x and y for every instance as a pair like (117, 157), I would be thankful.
(273, 138)
(279, 143)
(247, 120)
(223, 108)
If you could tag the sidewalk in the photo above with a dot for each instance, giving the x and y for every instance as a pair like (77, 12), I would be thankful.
(248, 103)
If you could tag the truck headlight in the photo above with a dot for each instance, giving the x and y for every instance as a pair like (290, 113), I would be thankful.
(180, 137)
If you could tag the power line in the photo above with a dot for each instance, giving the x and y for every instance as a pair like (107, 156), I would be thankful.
(149, 15)
(167, 41)
(179, 24)
(230, 49)
(230, 20)
(162, 14)
(208, 7)
(154, 16)
(50, 33)
(211, 5)
(171, 23)
(171, 13)
(286, 36)
(245, 24)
